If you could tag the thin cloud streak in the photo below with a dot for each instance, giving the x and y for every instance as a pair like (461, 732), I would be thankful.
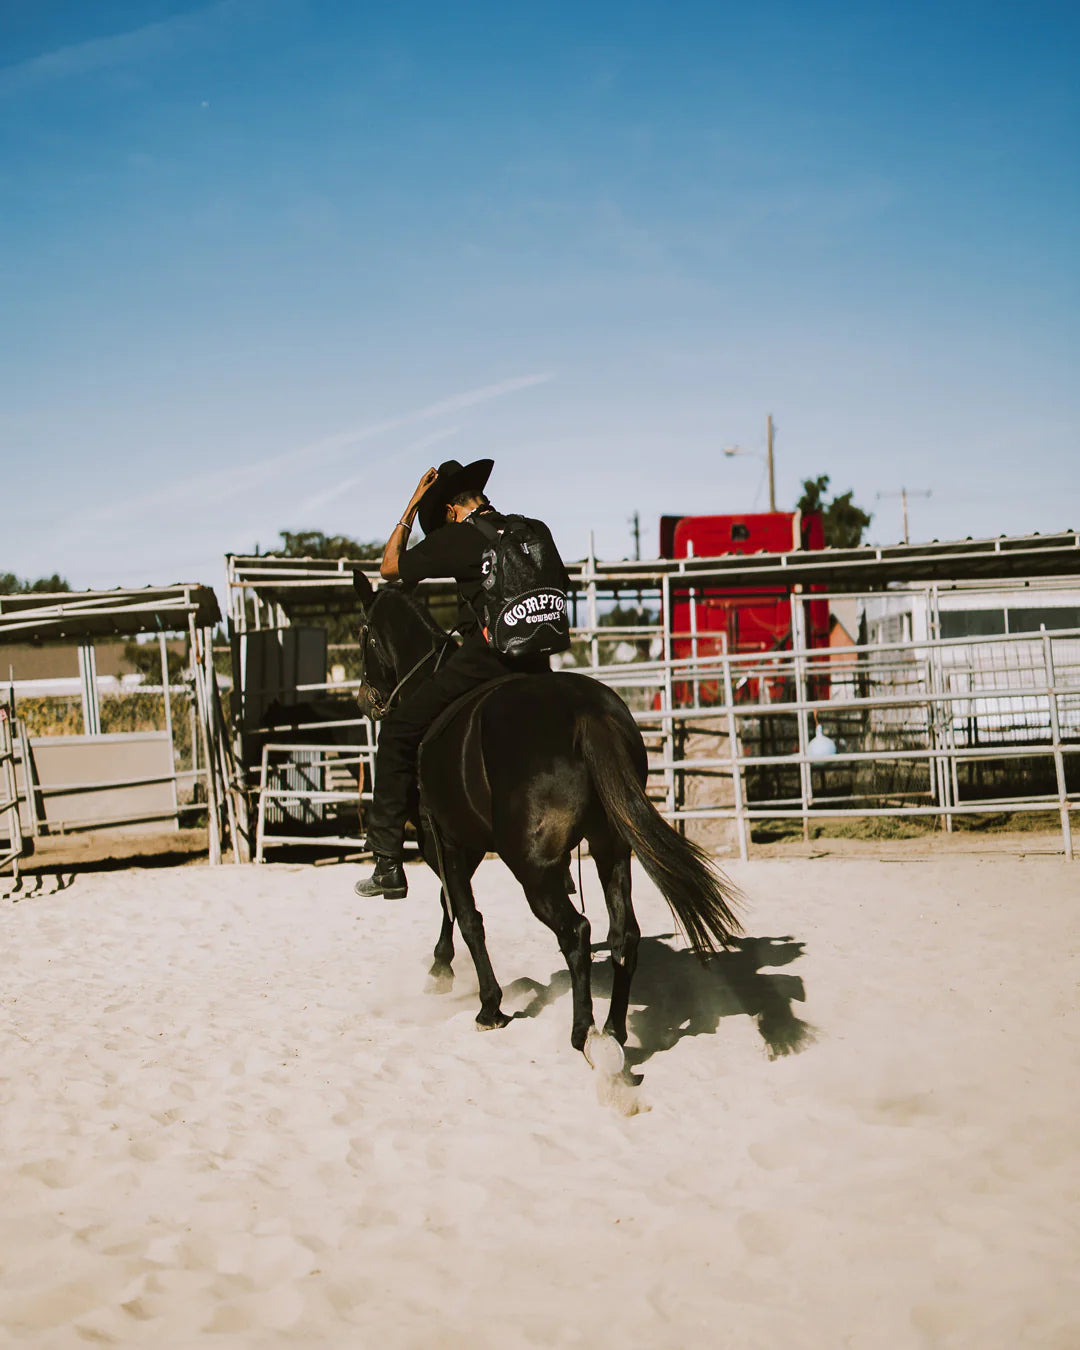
(470, 399)
(344, 440)
(356, 479)
(222, 486)
(81, 58)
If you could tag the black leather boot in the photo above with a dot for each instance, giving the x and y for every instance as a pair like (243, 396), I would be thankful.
(388, 880)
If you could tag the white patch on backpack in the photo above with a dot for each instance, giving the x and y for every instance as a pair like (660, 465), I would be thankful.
(541, 607)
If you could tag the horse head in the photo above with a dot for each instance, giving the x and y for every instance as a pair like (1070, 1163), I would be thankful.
(397, 642)
(378, 668)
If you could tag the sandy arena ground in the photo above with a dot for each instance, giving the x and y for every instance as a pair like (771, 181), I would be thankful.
(230, 1114)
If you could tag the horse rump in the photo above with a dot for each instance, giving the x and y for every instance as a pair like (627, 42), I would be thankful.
(700, 897)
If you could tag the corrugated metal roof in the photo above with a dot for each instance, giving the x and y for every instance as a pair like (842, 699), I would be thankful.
(89, 614)
(325, 585)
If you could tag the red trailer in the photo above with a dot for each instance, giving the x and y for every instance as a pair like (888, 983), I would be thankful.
(754, 620)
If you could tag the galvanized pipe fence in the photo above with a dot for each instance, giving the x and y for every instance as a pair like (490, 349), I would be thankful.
(922, 726)
(28, 801)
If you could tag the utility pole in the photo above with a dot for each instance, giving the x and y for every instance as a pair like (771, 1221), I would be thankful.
(903, 494)
(635, 525)
(772, 472)
(731, 450)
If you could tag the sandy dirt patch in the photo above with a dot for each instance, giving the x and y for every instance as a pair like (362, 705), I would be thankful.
(229, 1112)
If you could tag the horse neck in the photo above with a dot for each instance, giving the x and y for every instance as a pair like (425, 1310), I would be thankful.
(405, 633)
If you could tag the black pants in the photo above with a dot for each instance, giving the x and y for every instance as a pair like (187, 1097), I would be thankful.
(473, 664)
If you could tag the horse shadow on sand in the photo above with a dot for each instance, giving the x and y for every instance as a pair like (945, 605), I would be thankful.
(676, 994)
(31, 885)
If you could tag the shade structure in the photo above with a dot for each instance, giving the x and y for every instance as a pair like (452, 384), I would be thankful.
(85, 615)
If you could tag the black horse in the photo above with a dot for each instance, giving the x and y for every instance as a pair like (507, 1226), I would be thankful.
(527, 768)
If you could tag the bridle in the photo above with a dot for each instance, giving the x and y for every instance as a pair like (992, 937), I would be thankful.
(377, 706)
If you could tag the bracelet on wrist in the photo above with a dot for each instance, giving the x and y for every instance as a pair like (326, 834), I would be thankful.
(405, 525)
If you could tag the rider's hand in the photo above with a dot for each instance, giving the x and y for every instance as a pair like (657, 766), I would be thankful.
(423, 486)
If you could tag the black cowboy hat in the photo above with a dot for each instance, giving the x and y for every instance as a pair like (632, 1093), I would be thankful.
(453, 478)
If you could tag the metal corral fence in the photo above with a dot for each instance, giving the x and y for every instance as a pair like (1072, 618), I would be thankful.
(903, 722)
(947, 728)
(89, 753)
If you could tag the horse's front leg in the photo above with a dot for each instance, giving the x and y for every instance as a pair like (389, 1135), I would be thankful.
(459, 866)
(441, 974)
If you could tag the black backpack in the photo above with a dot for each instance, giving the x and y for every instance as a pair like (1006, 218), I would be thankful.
(523, 588)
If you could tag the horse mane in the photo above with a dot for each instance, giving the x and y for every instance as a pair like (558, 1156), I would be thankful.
(399, 590)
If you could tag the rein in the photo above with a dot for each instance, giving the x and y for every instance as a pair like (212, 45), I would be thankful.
(378, 707)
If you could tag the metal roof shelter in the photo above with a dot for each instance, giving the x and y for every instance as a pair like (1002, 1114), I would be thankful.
(1052, 555)
(82, 616)
(324, 586)
(296, 586)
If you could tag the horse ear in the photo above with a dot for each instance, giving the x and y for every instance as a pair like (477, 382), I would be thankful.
(362, 587)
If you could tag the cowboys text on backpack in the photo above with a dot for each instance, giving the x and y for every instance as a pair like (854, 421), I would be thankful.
(524, 586)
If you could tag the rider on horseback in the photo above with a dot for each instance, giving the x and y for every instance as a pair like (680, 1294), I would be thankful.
(445, 500)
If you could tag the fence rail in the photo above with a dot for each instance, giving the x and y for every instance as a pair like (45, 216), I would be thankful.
(923, 725)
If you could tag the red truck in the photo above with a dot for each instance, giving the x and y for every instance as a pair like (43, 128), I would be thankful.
(757, 620)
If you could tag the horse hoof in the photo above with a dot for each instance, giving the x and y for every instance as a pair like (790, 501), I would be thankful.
(492, 1021)
(604, 1053)
(439, 981)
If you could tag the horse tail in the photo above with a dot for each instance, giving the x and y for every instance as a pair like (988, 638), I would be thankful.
(700, 896)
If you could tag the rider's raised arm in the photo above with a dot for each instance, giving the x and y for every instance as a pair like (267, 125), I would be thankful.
(399, 536)
(442, 554)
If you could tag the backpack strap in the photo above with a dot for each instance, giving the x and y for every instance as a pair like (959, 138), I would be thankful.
(487, 529)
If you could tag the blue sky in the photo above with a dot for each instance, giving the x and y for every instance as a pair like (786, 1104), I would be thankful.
(262, 261)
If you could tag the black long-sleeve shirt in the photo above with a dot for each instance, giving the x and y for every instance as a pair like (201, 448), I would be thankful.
(455, 551)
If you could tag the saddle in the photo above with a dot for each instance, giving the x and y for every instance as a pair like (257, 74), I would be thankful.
(465, 703)
(463, 706)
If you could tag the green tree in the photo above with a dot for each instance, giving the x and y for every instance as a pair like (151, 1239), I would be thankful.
(340, 626)
(844, 523)
(145, 657)
(10, 584)
(315, 544)
(629, 616)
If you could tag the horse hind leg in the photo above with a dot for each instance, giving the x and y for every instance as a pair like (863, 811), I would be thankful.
(612, 858)
(545, 890)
